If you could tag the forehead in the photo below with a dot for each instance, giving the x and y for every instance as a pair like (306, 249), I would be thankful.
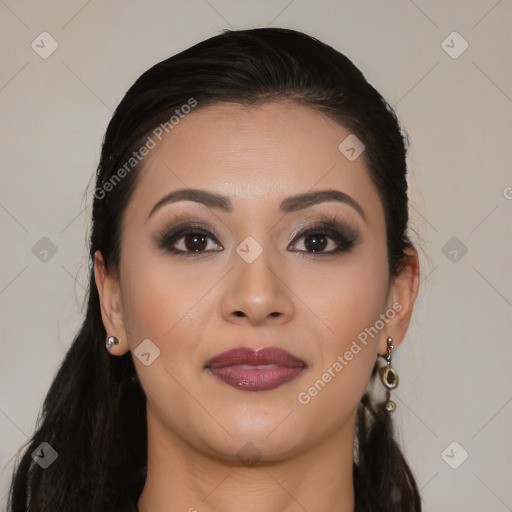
(255, 154)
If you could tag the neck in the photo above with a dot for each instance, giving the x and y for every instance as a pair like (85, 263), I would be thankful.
(183, 478)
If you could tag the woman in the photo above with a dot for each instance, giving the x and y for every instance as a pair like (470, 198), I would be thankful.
(251, 275)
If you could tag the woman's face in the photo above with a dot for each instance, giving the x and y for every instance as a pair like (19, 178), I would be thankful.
(241, 275)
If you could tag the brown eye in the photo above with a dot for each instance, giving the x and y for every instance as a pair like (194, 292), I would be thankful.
(195, 242)
(324, 240)
(186, 240)
(315, 242)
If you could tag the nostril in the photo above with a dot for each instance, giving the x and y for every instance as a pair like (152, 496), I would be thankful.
(239, 313)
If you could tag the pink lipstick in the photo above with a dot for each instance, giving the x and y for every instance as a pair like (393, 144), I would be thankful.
(256, 370)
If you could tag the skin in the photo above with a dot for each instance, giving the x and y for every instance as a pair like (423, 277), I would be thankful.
(194, 307)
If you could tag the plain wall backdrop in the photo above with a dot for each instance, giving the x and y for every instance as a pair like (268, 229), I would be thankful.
(443, 65)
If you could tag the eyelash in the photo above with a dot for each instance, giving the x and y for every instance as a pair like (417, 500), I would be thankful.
(340, 232)
(170, 235)
(344, 235)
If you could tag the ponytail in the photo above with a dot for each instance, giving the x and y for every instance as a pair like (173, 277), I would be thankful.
(94, 417)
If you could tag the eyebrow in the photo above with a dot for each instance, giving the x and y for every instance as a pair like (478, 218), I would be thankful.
(301, 201)
(210, 199)
(288, 205)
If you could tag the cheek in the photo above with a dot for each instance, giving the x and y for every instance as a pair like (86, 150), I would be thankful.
(158, 299)
(347, 297)
(171, 308)
(347, 327)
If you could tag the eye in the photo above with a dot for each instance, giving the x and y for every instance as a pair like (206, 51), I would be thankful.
(189, 239)
(324, 239)
(318, 241)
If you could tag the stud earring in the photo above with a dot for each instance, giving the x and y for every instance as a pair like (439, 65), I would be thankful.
(111, 341)
(389, 378)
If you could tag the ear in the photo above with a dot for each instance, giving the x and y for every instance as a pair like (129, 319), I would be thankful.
(111, 306)
(402, 294)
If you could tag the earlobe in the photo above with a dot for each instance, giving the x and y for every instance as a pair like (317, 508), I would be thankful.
(111, 307)
(401, 298)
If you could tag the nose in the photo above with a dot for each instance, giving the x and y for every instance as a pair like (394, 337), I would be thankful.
(257, 293)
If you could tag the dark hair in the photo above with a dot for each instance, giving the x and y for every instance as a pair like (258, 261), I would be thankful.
(94, 414)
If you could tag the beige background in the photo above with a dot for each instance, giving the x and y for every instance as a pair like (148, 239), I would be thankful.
(455, 364)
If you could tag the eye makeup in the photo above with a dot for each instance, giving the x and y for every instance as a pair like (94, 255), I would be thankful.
(171, 233)
(199, 236)
(339, 231)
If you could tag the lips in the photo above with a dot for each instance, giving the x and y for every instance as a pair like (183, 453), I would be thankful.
(256, 370)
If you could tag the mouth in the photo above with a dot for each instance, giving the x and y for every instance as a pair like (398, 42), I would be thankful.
(256, 370)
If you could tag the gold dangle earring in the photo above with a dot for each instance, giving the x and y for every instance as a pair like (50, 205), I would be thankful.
(389, 378)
